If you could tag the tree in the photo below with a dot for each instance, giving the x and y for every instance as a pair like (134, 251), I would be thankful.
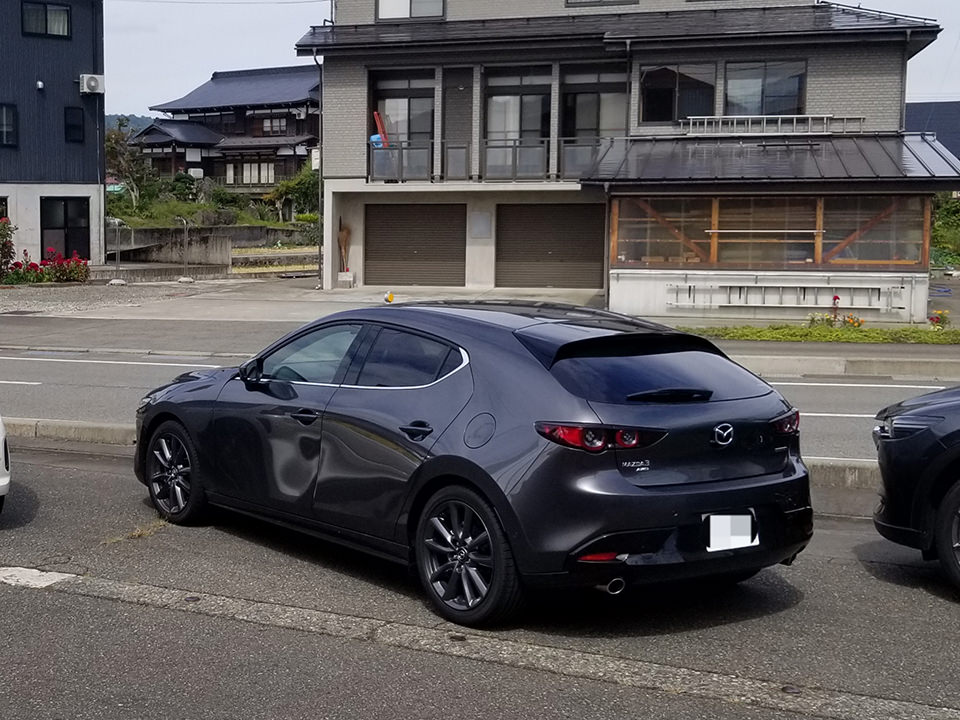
(303, 191)
(126, 163)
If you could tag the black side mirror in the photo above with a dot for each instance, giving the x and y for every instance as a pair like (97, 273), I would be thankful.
(251, 372)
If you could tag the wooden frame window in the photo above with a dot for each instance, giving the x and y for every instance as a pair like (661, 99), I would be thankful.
(792, 233)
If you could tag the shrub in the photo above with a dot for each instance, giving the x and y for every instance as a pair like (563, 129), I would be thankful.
(307, 218)
(7, 253)
(24, 271)
(61, 269)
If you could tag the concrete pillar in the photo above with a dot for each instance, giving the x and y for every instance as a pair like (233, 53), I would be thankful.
(477, 121)
(331, 250)
(554, 163)
(438, 125)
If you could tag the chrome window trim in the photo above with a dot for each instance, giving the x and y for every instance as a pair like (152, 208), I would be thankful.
(465, 360)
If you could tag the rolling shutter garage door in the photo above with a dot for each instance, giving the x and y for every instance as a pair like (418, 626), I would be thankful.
(550, 246)
(415, 245)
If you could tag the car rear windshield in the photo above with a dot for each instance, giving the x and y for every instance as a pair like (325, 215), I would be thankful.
(671, 377)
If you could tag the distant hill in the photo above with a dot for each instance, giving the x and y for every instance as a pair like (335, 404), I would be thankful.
(137, 122)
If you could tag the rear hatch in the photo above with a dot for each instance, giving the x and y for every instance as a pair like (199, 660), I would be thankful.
(715, 420)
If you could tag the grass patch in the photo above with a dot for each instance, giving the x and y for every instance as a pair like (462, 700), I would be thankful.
(794, 333)
(140, 532)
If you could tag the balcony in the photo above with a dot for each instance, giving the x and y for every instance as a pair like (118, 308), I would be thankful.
(771, 125)
(239, 184)
(515, 159)
(512, 160)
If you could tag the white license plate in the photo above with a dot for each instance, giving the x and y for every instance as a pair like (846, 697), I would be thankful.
(731, 532)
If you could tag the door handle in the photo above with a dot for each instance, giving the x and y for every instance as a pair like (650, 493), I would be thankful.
(417, 430)
(305, 417)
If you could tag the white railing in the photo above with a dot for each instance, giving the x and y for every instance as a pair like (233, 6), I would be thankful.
(771, 125)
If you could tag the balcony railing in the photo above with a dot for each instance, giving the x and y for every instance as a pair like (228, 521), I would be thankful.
(515, 159)
(401, 161)
(771, 125)
(237, 182)
(579, 155)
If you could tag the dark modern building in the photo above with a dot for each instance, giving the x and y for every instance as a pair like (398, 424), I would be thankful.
(52, 125)
(246, 129)
(746, 159)
(940, 118)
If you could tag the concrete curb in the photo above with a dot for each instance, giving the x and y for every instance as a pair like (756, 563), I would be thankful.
(839, 487)
(126, 351)
(799, 366)
(71, 431)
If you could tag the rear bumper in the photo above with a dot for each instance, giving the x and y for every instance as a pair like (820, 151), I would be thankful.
(654, 550)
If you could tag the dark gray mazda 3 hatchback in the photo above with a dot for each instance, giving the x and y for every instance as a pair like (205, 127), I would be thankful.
(495, 447)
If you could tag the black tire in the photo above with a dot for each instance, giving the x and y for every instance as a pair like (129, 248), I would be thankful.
(176, 487)
(2, 498)
(947, 535)
(464, 560)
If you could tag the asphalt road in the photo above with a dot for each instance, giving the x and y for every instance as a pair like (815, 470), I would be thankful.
(837, 413)
(235, 618)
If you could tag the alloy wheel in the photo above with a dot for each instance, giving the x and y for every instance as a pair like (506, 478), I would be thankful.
(170, 473)
(459, 557)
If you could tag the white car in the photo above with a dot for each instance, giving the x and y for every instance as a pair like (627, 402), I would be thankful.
(4, 465)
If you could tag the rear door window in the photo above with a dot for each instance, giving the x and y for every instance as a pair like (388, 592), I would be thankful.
(404, 359)
(682, 376)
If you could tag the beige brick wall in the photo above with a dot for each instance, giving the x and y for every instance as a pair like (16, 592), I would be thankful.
(360, 12)
(345, 121)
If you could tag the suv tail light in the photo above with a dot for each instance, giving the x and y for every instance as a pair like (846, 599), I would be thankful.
(788, 424)
(597, 438)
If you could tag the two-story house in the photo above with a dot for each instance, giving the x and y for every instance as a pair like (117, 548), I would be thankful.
(745, 157)
(52, 125)
(247, 129)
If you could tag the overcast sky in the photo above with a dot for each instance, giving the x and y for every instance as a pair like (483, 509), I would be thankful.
(159, 50)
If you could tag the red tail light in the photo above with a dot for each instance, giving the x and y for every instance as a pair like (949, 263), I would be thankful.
(788, 424)
(597, 438)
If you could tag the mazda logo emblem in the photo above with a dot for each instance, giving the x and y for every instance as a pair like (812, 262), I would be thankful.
(723, 434)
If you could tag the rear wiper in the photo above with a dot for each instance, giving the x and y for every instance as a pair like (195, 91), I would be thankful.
(672, 395)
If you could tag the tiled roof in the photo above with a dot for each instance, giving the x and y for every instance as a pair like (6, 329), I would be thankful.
(276, 141)
(687, 26)
(185, 132)
(267, 87)
(901, 158)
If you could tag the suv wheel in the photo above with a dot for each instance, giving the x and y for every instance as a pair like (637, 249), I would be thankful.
(947, 534)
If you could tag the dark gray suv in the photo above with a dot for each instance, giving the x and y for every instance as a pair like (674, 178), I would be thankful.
(495, 447)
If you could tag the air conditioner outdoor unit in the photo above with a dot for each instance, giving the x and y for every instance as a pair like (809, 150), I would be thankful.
(300, 114)
(91, 84)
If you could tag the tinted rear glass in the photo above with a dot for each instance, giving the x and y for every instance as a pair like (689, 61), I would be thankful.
(611, 379)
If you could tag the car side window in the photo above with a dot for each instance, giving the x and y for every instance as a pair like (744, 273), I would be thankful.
(402, 359)
(314, 357)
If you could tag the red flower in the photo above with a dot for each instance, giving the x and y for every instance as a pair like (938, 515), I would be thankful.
(934, 319)
(17, 265)
(44, 263)
(4, 220)
(33, 266)
(836, 298)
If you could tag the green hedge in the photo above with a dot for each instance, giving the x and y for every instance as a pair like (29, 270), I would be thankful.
(793, 333)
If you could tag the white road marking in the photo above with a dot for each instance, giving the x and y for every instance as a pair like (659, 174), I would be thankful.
(30, 578)
(18, 382)
(834, 415)
(108, 362)
(856, 385)
(844, 460)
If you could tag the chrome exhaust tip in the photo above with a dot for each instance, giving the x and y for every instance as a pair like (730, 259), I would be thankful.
(615, 586)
